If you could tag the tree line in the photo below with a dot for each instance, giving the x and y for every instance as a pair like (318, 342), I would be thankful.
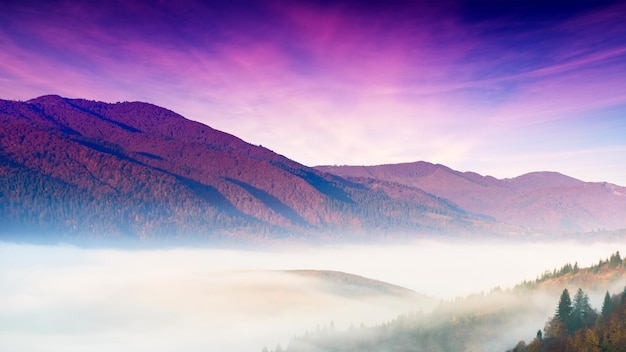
(577, 327)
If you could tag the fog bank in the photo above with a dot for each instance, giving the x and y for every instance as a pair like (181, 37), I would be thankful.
(72, 299)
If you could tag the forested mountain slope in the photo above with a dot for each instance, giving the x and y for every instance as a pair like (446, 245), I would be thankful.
(493, 321)
(75, 168)
(547, 201)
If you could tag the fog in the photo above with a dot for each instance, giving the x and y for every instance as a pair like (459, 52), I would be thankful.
(64, 298)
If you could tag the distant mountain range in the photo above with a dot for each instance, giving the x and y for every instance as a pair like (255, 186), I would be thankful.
(546, 201)
(74, 168)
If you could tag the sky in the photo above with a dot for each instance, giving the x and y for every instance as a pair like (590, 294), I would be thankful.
(496, 87)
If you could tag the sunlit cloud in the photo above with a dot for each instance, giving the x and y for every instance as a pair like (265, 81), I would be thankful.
(332, 84)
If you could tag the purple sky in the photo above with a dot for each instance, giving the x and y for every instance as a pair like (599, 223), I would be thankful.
(497, 87)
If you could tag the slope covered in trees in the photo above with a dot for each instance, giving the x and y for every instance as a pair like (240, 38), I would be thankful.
(577, 327)
(79, 168)
(546, 201)
(492, 321)
(73, 167)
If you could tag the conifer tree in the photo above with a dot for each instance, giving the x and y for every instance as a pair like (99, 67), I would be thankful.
(615, 260)
(607, 306)
(564, 309)
(582, 314)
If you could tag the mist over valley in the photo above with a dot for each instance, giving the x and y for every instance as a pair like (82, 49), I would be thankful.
(71, 298)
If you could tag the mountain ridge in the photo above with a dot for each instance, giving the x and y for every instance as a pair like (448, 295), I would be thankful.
(135, 169)
(545, 201)
(77, 167)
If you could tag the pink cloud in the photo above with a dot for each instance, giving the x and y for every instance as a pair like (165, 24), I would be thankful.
(361, 86)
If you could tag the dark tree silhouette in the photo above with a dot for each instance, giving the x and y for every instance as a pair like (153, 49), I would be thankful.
(607, 305)
(583, 315)
(564, 309)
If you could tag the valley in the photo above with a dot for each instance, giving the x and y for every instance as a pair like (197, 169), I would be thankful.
(66, 297)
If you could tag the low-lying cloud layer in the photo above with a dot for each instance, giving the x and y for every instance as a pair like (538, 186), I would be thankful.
(72, 299)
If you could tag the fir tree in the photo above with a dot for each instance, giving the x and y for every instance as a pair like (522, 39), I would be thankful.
(582, 314)
(607, 306)
(615, 260)
(564, 309)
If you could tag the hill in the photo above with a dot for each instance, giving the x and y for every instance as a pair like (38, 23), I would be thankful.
(491, 321)
(357, 286)
(74, 168)
(544, 201)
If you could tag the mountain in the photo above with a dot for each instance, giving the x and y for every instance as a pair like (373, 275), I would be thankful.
(74, 168)
(77, 168)
(544, 201)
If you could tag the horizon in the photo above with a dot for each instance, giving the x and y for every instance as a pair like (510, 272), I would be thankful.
(375, 165)
(497, 90)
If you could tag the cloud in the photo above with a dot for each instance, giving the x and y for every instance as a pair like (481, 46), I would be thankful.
(63, 297)
(325, 83)
(68, 298)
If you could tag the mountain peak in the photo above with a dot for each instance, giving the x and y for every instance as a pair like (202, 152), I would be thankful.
(47, 99)
(543, 179)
